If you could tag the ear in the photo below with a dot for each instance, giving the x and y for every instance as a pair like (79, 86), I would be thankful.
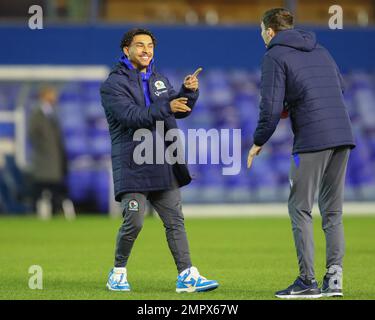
(126, 51)
(270, 32)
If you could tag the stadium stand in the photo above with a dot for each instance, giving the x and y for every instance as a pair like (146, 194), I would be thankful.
(235, 94)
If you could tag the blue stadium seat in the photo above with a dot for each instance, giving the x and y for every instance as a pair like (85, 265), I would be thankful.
(7, 130)
(80, 182)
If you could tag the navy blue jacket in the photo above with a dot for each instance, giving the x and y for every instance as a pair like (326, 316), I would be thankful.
(300, 75)
(125, 108)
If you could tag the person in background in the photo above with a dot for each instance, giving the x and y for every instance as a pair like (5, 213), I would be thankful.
(48, 158)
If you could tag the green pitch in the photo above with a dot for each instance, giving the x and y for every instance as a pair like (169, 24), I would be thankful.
(250, 257)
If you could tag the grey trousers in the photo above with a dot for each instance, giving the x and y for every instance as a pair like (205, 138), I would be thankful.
(168, 205)
(325, 171)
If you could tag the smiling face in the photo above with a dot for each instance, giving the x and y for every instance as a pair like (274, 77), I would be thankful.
(140, 51)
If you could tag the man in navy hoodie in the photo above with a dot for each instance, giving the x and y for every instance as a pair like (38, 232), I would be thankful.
(301, 79)
(135, 96)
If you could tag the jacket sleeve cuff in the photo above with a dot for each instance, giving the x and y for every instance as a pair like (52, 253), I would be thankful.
(165, 109)
(258, 142)
(189, 93)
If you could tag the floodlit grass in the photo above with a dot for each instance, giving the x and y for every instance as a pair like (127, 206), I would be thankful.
(250, 257)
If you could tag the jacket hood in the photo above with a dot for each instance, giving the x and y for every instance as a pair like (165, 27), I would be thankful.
(294, 38)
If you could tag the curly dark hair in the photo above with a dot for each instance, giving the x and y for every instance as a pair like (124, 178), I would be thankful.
(278, 19)
(128, 37)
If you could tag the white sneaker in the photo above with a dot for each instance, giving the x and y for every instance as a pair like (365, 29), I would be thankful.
(332, 282)
(190, 280)
(68, 209)
(117, 280)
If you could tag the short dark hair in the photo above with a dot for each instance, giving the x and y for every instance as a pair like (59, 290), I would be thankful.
(278, 19)
(128, 37)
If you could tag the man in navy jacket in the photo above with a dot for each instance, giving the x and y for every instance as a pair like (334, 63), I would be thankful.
(135, 96)
(301, 79)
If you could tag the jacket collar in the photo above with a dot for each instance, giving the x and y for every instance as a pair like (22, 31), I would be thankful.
(145, 76)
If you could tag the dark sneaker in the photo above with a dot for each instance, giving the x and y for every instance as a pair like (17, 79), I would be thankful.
(300, 289)
(332, 282)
